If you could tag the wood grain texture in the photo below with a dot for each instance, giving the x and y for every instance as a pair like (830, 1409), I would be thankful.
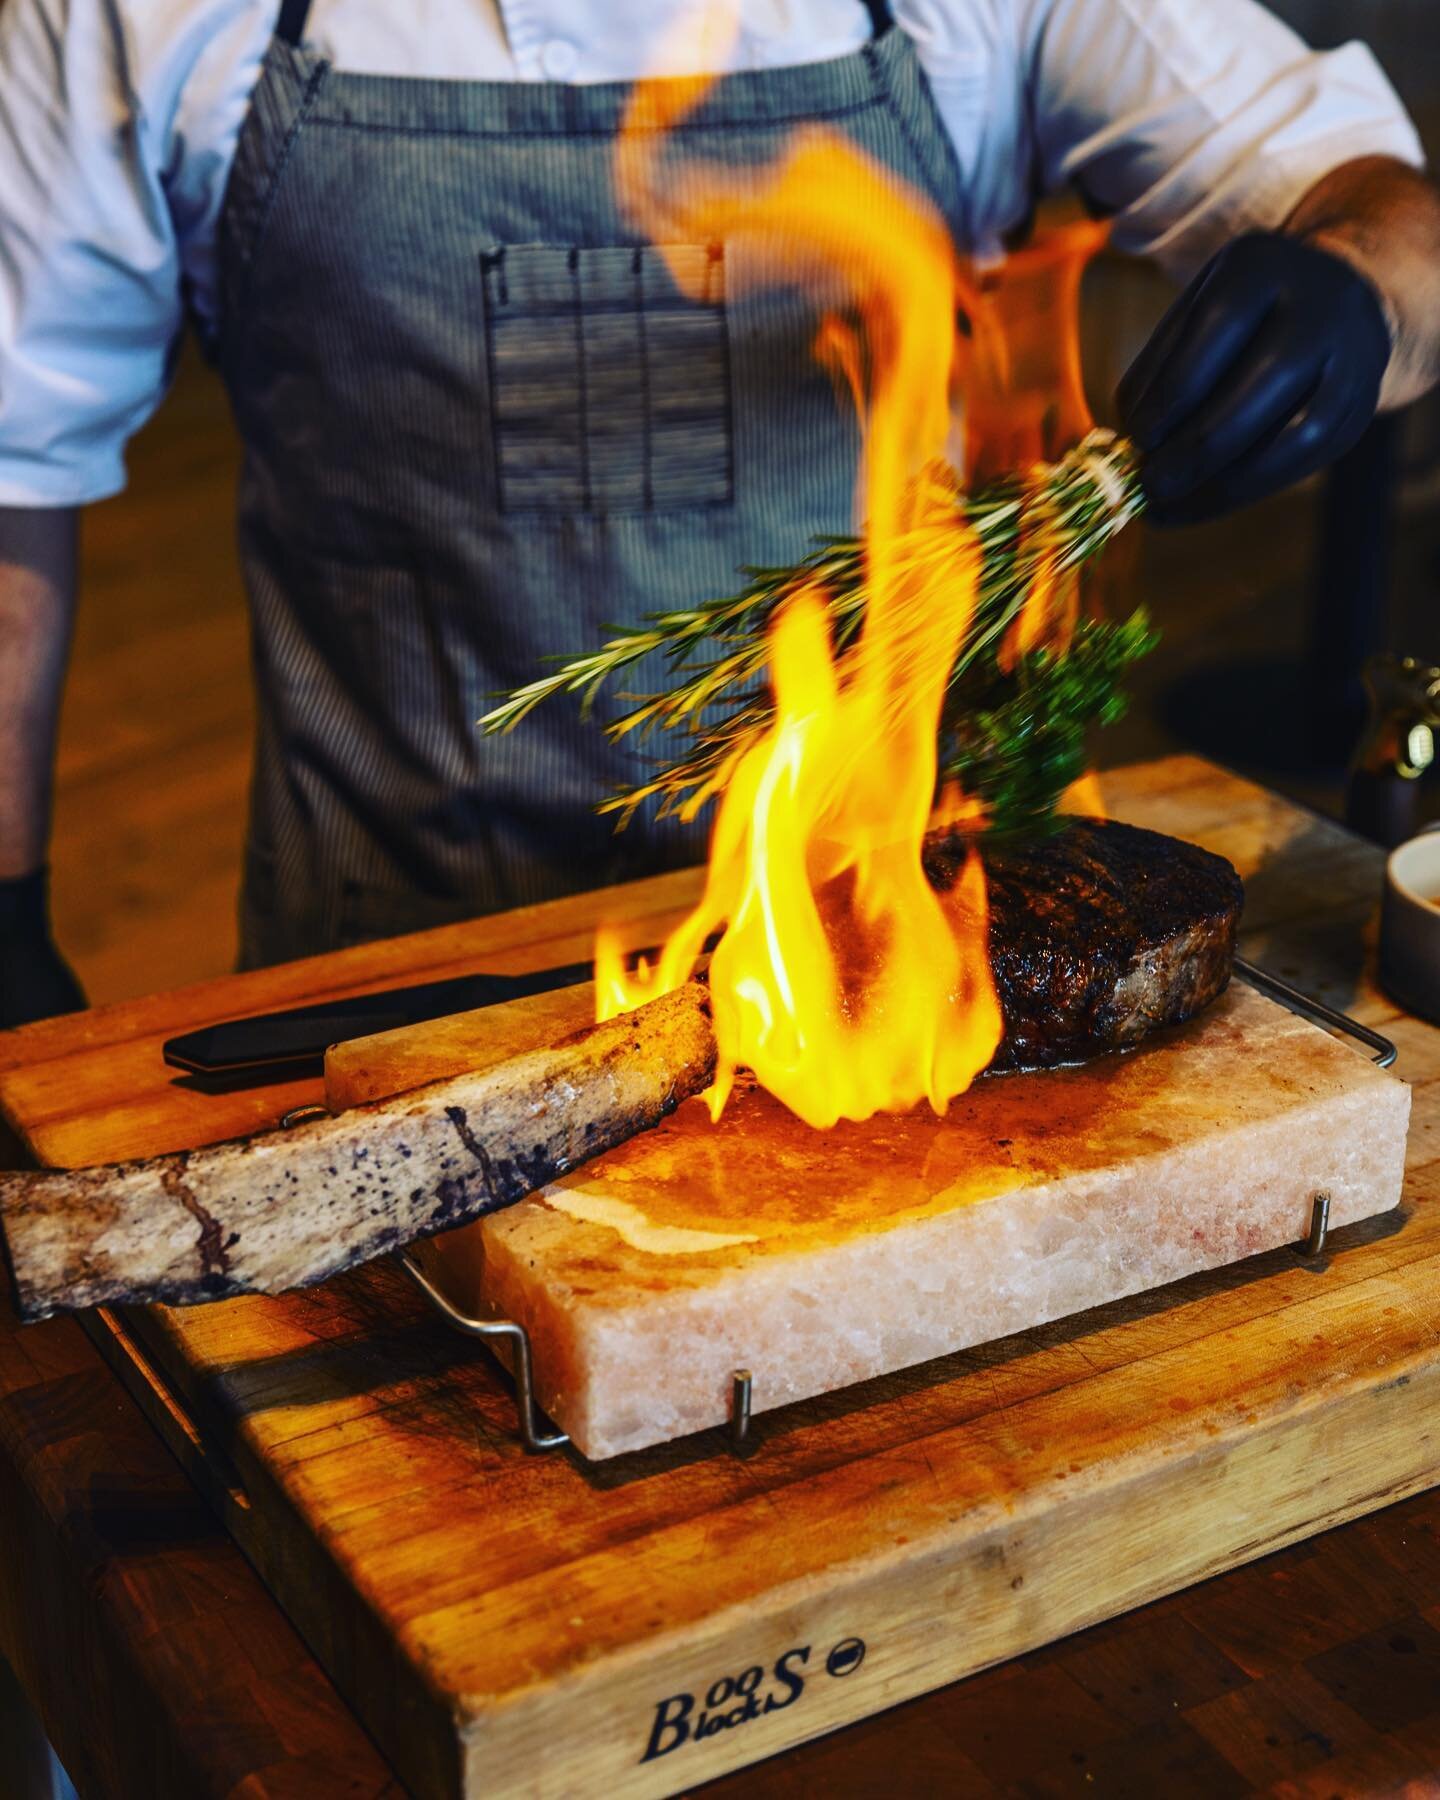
(502, 1621)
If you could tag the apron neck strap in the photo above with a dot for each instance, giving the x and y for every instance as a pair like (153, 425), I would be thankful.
(290, 27)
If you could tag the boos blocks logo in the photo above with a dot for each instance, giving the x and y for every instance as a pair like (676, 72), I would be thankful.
(734, 1700)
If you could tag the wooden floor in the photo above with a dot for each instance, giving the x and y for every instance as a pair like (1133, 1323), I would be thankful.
(155, 739)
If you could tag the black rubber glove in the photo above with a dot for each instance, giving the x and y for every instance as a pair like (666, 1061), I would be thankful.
(1266, 368)
(35, 980)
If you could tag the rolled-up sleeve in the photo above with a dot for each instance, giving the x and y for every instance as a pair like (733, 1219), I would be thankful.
(1192, 120)
(90, 305)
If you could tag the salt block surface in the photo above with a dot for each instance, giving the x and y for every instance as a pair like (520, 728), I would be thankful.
(818, 1259)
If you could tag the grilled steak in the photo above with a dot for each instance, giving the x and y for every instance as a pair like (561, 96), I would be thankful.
(1099, 935)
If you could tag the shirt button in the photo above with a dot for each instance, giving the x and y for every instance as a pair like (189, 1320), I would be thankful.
(559, 59)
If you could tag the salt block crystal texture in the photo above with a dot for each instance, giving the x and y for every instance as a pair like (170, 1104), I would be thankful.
(817, 1259)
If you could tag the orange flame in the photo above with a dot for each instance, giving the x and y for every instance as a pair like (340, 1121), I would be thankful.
(841, 978)
(1025, 402)
(1084, 798)
(1025, 391)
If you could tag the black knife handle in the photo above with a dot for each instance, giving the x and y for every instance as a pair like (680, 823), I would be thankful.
(296, 1039)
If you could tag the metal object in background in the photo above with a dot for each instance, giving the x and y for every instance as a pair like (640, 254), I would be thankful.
(1382, 801)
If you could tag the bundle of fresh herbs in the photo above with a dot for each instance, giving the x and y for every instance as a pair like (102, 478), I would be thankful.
(1016, 715)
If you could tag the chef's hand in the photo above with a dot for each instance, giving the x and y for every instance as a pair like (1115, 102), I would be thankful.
(35, 980)
(1266, 368)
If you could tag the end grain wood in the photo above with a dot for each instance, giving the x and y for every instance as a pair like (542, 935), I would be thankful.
(285, 1209)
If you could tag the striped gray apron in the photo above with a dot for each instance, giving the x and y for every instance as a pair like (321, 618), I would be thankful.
(480, 424)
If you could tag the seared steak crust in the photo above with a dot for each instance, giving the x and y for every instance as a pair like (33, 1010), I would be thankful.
(1099, 935)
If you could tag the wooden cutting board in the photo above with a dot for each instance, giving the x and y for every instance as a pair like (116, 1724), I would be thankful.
(513, 1624)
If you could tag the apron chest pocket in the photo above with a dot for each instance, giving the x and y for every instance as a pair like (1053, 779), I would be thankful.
(609, 388)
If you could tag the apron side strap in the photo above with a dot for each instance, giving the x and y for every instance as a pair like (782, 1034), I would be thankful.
(880, 17)
(290, 27)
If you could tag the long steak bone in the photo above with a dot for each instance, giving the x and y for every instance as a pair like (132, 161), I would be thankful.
(288, 1208)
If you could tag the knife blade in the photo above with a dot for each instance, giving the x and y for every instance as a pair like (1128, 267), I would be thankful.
(294, 1041)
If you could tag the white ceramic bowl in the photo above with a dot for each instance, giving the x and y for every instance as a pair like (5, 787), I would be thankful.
(1410, 925)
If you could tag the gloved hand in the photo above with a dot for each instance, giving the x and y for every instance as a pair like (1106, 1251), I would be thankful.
(35, 980)
(1266, 368)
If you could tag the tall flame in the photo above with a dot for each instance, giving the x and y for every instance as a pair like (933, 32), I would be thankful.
(841, 979)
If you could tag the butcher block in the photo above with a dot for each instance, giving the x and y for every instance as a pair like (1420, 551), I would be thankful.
(512, 1623)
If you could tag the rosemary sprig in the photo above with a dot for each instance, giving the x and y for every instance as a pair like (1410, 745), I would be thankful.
(1014, 736)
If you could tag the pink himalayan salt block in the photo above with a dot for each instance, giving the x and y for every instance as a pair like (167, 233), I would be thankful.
(818, 1259)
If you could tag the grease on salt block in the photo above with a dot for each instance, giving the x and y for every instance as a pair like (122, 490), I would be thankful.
(818, 1259)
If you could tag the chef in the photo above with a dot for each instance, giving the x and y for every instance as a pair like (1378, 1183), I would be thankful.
(478, 419)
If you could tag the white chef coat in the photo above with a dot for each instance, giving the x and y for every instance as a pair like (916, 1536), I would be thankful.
(1190, 119)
